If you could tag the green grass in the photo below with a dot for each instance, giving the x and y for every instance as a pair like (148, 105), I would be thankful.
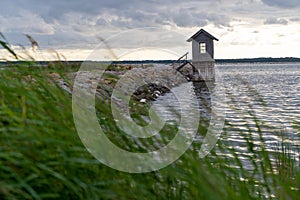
(42, 157)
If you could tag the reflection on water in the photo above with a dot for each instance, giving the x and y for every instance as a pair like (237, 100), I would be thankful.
(260, 98)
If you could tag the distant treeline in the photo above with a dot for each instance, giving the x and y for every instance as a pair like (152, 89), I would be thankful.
(255, 60)
(220, 61)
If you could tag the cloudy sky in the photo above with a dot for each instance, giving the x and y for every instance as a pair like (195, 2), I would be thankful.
(245, 28)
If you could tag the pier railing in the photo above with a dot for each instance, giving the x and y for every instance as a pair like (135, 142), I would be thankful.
(180, 61)
(191, 75)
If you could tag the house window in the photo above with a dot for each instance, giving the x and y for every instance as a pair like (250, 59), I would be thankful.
(202, 47)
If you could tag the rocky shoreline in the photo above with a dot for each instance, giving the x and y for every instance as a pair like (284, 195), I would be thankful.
(156, 79)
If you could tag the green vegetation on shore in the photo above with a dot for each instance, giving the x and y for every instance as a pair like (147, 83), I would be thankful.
(42, 157)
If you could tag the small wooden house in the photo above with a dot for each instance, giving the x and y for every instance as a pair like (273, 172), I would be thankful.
(203, 54)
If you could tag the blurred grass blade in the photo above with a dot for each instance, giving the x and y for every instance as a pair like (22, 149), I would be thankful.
(5, 46)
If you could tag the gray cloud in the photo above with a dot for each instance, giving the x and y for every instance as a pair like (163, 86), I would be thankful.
(78, 22)
(283, 3)
(131, 13)
(295, 19)
(276, 21)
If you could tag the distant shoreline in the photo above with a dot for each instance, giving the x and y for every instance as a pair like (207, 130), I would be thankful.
(218, 61)
(258, 60)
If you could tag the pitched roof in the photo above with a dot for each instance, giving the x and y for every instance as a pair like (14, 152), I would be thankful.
(202, 31)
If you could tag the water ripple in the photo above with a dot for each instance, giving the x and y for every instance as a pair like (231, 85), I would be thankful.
(263, 104)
